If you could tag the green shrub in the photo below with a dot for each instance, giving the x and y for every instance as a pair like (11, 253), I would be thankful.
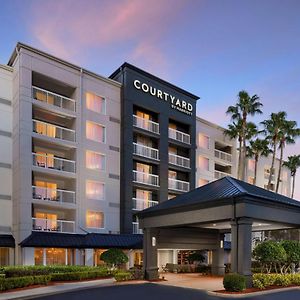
(114, 257)
(295, 279)
(203, 269)
(137, 273)
(234, 282)
(258, 284)
(42, 279)
(20, 282)
(123, 276)
(74, 276)
(282, 280)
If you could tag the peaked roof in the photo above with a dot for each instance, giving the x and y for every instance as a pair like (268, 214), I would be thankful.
(90, 240)
(222, 190)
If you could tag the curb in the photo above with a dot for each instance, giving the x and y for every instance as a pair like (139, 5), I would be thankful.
(259, 293)
(108, 282)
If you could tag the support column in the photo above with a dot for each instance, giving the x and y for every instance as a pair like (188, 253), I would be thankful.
(150, 254)
(89, 257)
(218, 267)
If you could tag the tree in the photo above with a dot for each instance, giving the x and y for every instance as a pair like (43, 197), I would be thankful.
(114, 257)
(271, 130)
(196, 256)
(292, 249)
(293, 163)
(287, 134)
(239, 112)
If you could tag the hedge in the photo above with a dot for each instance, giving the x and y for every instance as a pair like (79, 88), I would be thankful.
(234, 282)
(20, 282)
(73, 276)
(123, 276)
(262, 281)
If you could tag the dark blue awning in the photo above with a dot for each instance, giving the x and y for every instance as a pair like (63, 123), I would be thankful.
(7, 240)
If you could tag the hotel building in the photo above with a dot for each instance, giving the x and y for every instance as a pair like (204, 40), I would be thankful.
(81, 154)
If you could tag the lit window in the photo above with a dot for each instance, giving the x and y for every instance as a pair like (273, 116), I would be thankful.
(95, 132)
(94, 219)
(95, 103)
(202, 182)
(203, 141)
(95, 161)
(203, 163)
(95, 190)
(251, 165)
(171, 196)
(251, 179)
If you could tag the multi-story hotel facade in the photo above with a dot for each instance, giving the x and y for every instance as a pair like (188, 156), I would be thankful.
(81, 154)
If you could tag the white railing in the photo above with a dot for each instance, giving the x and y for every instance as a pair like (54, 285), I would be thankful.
(54, 163)
(179, 160)
(55, 195)
(53, 99)
(136, 229)
(179, 185)
(223, 155)
(145, 178)
(140, 204)
(48, 225)
(219, 174)
(179, 136)
(53, 131)
(145, 124)
(145, 151)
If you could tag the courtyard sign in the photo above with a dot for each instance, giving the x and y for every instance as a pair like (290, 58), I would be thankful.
(175, 103)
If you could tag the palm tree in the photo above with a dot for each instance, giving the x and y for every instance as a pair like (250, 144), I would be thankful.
(287, 134)
(258, 148)
(272, 128)
(293, 163)
(245, 106)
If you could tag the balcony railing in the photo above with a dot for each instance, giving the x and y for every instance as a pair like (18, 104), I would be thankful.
(53, 99)
(140, 204)
(53, 131)
(145, 151)
(219, 174)
(223, 155)
(179, 185)
(179, 136)
(53, 195)
(146, 178)
(145, 124)
(53, 225)
(47, 161)
(179, 160)
(136, 229)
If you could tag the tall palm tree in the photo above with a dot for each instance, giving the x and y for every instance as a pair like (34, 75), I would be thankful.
(293, 163)
(245, 106)
(271, 130)
(287, 135)
(258, 148)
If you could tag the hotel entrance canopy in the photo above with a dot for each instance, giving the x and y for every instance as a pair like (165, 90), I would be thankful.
(199, 219)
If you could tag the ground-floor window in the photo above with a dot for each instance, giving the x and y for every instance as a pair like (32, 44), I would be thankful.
(4, 256)
(54, 256)
(97, 254)
(138, 258)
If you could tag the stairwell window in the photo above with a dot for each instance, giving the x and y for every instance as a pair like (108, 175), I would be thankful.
(95, 103)
(95, 132)
(95, 161)
(94, 219)
(94, 190)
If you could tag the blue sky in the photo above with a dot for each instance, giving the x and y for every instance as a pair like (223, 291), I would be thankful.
(213, 48)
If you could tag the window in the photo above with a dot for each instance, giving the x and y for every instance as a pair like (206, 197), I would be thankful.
(251, 165)
(203, 163)
(95, 132)
(95, 161)
(94, 190)
(202, 182)
(95, 103)
(251, 179)
(4, 256)
(54, 256)
(94, 219)
(45, 190)
(203, 141)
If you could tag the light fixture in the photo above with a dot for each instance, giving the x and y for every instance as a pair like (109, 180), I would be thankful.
(221, 244)
(214, 225)
(153, 241)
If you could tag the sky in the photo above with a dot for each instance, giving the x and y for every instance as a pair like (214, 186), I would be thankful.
(212, 48)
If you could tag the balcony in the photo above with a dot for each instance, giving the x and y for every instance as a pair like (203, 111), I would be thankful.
(145, 151)
(140, 204)
(53, 131)
(48, 225)
(145, 124)
(219, 174)
(179, 160)
(51, 162)
(145, 178)
(53, 195)
(179, 185)
(53, 99)
(136, 229)
(179, 136)
(223, 155)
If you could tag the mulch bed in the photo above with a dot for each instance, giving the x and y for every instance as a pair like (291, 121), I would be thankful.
(252, 290)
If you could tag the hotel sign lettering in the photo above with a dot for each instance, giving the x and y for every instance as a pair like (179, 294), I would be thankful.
(175, 102)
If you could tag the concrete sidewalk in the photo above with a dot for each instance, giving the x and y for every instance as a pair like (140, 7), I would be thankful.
(56, 289)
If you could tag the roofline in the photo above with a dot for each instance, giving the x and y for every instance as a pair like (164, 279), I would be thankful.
(130, 66)
(209, 123)
(6, 67)
(20, 46)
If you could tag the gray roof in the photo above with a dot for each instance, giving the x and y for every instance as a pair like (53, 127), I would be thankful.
(217, 192)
